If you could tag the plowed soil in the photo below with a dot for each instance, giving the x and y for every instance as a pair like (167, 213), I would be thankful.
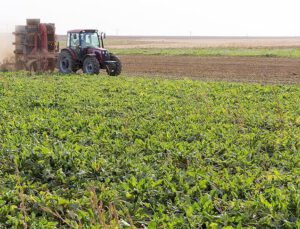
(233, 69)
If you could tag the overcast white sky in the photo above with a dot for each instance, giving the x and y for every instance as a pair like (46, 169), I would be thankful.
(160, 17)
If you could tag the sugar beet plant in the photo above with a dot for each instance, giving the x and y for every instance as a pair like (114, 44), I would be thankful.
(97, 152)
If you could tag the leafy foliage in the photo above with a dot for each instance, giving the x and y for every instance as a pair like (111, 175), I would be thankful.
(86, 151)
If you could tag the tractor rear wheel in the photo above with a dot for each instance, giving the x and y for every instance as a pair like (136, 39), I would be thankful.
(66, 64)
(118, 66)
(91, 65)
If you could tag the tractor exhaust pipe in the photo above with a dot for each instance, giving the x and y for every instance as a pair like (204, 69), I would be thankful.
(102, 37)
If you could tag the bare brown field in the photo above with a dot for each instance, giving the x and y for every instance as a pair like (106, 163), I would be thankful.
(202, 42)
(233, 69)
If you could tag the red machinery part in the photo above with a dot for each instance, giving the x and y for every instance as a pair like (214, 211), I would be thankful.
(44, 38)
(35, 46)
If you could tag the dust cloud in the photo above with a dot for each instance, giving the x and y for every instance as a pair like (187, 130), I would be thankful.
(6, 46)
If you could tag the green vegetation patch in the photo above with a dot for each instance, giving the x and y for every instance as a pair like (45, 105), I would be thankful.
(89, 151)
(242, 52)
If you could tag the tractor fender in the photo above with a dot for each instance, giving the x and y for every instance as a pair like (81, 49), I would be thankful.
(89, 55)
(73, 54)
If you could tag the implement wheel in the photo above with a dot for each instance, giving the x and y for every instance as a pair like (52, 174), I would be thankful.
(51, 65)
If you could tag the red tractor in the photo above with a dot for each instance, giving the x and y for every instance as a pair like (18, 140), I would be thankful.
(85, 50)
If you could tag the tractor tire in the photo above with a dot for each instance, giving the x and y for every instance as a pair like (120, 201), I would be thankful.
(91, 65)
(118, 66)
(65, 63)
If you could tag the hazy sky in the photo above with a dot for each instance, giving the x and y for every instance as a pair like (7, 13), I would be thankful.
(160, 17)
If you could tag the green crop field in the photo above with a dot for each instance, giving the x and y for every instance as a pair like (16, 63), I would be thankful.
(242, 52)
(100, 152)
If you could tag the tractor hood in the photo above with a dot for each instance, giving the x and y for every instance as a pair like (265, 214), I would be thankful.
(97, 50)
(102, 54)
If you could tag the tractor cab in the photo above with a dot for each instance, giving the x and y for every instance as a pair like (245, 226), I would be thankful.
(84, 39)
(85, 49)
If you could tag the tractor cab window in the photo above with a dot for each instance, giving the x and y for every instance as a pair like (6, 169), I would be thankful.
(89, 40)
(74, 40)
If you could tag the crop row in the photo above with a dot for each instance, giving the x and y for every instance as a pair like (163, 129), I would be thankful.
(90, 151)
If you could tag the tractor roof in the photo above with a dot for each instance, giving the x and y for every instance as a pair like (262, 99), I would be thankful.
(83, 31)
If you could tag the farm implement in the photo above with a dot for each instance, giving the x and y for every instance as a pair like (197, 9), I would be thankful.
(36, 50)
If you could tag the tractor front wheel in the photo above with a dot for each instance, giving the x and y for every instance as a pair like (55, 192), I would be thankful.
(117, 68)
(91, 65)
